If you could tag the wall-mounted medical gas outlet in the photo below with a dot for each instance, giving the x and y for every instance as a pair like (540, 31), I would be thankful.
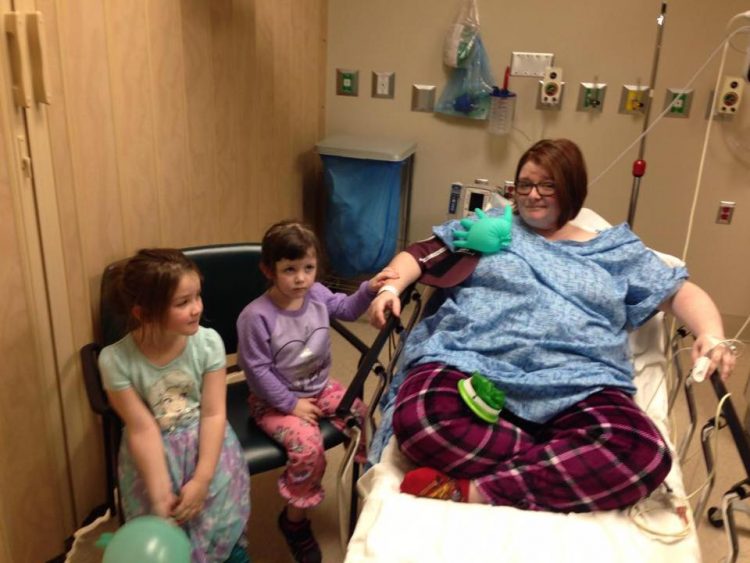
(422, 97)
(730, 95)
(634, 99)
(682, 99)
(726, 210)
(591, 96)
(383, 84)
(347, 82)
(551, 88)
(530, 64)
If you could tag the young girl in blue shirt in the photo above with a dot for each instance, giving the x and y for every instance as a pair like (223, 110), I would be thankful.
(166, 379)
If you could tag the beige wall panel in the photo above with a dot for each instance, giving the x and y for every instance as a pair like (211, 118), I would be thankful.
(286, 180)
(164, 129)
(718, 256)
(224, 62)
(308, 95)
(246, 113)
(30, 500)
(201, 112)
(591, 41)
(84, 438)
(86, 72)
(133, 113)
(170, 120)
(266, 59)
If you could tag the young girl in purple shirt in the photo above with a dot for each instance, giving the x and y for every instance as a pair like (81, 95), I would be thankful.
(284, 349)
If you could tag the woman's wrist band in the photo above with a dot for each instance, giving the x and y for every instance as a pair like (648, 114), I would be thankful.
(728, 343)
(389, 289)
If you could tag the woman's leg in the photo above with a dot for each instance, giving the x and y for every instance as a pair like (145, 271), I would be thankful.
(604, 453)
(601, 454)
(435, 428)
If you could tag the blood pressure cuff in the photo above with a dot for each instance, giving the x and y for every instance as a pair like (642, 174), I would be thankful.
(441, 267)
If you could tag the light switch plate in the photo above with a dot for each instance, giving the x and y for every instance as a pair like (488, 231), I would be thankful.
(530, 64)
(383, 84)
(422, 97)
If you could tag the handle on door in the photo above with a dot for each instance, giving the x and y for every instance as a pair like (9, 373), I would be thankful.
(38, 55)
(14, 23)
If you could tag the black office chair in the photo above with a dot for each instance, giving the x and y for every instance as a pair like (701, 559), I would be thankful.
(231, 279)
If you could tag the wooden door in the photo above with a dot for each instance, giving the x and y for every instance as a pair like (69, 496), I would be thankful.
(36, 506)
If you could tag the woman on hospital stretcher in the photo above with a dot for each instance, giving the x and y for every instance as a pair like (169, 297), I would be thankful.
(543, 314)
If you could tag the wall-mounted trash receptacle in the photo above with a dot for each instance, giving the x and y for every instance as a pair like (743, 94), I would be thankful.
(368, 187)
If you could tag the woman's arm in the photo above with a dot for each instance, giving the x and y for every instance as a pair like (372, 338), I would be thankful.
(406, 267)
(144, 440)
(694, 307)
(211, 437)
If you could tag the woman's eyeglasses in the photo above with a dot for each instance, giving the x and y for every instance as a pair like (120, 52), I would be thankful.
(544, 189)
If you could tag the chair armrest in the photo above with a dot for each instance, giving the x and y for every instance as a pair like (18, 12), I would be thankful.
(370, 359)
(349, 336)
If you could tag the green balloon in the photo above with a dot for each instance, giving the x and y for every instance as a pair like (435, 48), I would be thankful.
(148, 539)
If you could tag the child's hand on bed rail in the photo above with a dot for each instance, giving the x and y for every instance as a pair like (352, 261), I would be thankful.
(721, 352)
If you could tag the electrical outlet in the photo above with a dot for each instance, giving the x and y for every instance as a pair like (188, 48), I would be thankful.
(347, 82)
(591, 96)
(383, 84)
(730, 95)
(726, 210)
(634, 99)
(551, 88)
(682, 99)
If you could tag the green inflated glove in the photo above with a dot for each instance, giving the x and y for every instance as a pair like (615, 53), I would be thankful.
(487, 235)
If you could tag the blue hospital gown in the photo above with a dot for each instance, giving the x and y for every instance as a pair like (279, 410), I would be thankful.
(547, 321)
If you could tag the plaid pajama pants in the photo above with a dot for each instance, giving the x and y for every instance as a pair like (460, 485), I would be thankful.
(603, 453)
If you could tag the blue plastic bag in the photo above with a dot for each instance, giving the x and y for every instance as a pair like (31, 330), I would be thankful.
(467, 93)
(362, 219)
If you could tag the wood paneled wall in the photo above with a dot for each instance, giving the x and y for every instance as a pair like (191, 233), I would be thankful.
(173, 123)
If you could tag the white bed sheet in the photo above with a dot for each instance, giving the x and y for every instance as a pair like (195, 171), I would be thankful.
(395, 527)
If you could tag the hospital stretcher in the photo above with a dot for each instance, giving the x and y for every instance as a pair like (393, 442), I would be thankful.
(395, 527)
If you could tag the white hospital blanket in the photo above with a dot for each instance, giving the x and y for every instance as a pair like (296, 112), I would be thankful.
(395, 527)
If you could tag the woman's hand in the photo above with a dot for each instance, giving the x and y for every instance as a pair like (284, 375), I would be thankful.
(722, 356)
(386, 301)
(380, 278)
(307, 410)
(192, 497)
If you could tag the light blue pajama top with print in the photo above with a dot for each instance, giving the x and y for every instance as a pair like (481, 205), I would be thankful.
(547, 321)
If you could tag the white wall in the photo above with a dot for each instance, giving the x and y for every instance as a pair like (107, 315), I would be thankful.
(612, 42)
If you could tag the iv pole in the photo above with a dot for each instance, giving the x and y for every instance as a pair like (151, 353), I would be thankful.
(639, 166)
